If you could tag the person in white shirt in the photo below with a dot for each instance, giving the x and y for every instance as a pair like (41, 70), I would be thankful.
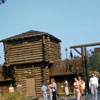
(93, 84)
(66, 88)
(44, 91)
(11, 89)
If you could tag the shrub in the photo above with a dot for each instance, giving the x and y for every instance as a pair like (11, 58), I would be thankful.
(14, 96)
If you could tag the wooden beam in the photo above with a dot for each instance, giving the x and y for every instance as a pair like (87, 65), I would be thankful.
(85, 45)
(77, 51)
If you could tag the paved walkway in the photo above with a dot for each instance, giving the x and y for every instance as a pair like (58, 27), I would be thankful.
(87, 97)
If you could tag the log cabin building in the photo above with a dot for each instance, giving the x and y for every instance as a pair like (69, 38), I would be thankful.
(28, 57)
(34, 57)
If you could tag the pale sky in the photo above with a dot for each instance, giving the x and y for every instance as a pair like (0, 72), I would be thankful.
(73, 21)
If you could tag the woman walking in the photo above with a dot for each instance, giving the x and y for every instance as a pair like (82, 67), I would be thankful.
(77, 88)
(66, 88)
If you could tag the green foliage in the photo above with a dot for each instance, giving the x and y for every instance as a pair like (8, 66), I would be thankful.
(14, 96)
(94, 61)
(2, 1)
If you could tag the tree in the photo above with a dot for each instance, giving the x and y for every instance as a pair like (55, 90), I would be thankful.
(2, 1)
(94, 61)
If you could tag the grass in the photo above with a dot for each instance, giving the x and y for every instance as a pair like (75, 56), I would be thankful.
(14, 96)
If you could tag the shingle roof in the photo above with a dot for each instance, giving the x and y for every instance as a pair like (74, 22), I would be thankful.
(29, 34)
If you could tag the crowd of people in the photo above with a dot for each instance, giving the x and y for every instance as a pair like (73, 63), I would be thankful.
(78, 90)
(52, 90)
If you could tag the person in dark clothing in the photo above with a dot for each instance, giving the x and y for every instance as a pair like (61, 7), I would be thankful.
(54, 89)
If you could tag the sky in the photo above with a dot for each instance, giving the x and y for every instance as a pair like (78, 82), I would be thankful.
(74, 22)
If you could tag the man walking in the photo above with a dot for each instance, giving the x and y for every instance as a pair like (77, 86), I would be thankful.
(93, 84)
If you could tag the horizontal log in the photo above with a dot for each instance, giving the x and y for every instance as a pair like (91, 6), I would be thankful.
(37, 80)
(22, 44)
(38, 87)
(38, 93)
(24, 54)
(38, 77)
(24, 71)
(24, 61)
(30, 50)
(20, 76)
(38, 68)
(21, 69)
(27, 56)
(39, 84)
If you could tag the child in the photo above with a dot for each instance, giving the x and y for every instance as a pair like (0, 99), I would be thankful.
(50, 90)
(44, 91)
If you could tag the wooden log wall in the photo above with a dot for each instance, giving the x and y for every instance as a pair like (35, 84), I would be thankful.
(26, 52)
(67, 67)
(4, 89)
(55, 51)
(52, 50)
(22, 73)
(38, 79)
(20, 76)
(58, 68)
(44, 49)
(47, 49)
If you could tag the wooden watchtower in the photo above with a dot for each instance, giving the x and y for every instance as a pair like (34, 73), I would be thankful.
(28, 57)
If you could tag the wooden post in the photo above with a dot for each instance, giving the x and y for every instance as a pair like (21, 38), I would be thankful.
(84, 66)
(42, 72)
(86, 70)
(82, 52)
